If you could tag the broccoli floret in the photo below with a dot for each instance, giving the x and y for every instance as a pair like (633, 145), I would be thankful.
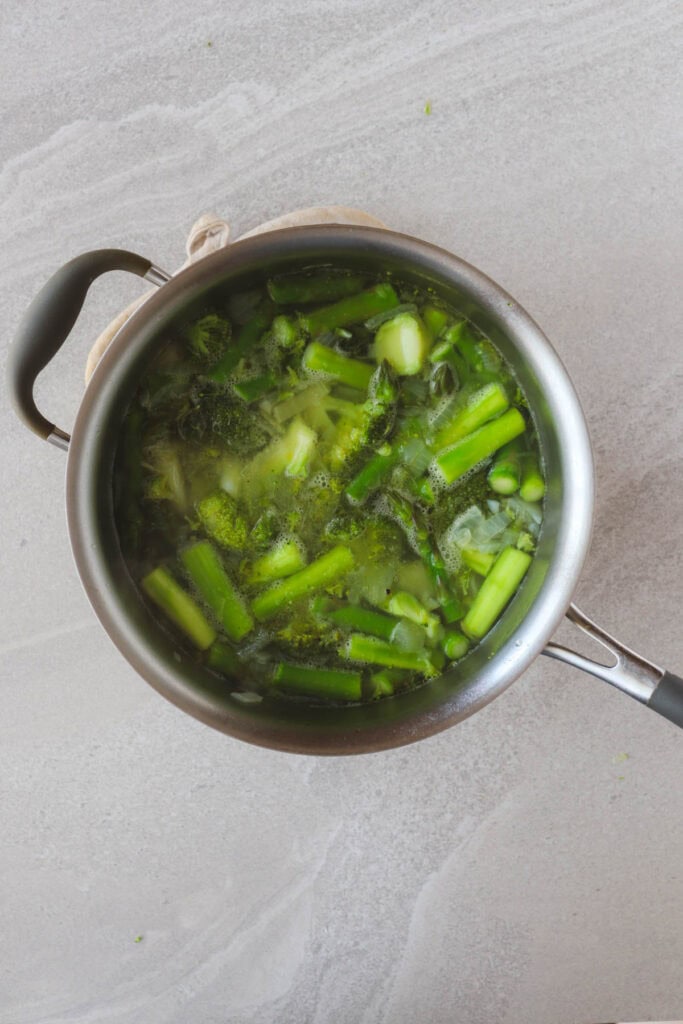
(265, 530)
(166, 481)
(221, 520)
(344, 527)
(208, 338)
(213, 413)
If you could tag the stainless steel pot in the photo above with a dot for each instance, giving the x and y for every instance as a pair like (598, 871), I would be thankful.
(526, 628)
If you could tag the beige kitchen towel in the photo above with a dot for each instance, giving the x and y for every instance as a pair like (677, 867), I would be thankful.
(210, 233)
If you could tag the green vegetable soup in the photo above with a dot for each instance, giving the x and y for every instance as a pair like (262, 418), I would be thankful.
(328, 488)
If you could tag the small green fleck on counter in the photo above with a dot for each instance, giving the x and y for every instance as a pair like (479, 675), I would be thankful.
(428, 107)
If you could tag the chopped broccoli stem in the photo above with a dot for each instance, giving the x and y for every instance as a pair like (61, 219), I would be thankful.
(365, 620)
(281, 561)
(471, 450)
(254, 388)
(206, 571)
(352, 310)
(179, 607)
(482, 406)
(435, 319)
(455, 645)
(319, 358)
(334, 684)
(224, 659)
(242, 344)
(329, 568)
(504, 475)
(479, 561)
(374, 651)
(322, 286)
(403, 342)
(496, 591)
(221, 520)
(532, 485)
(289, 455)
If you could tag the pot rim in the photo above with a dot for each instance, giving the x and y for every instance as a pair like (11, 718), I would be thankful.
(426, 716)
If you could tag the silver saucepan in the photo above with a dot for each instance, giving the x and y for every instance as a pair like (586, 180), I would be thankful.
(523, 632)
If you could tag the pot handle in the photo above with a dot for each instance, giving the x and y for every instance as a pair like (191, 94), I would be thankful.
(662, 691)
(47, 324)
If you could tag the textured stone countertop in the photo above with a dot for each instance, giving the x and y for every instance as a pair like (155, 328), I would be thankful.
(522, 868)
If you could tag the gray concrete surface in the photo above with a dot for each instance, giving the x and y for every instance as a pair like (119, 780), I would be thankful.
(519, 869)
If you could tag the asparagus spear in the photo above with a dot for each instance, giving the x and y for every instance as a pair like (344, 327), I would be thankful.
(223, 658)
(532, 486)
(329, 568)
(333, 684)
(496, 591)
(215, 586)
(323, 286)
(469, 451)
(352, 310)
(282, 560)
(482, 406)
(179, 607)
(378, 652)
(365, 620)
(372, 474)
(414, 525)
(504, 475)
(255, 387)
(319, 358)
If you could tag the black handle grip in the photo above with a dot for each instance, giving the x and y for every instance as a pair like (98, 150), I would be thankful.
(48, 321)
(667, 698)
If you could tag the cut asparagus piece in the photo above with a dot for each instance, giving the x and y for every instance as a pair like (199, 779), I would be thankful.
(281, 561)
(403, 342)
(329, 568)
(224, 659)
(254, 388)
(496, 592)
(482, 406)
(453, 610)
(322, 286)
(373, 651)
(471, 450)
(372, 475)
(504, 475)
(480, 561)
(365, 620)
(435, 320)
(206, 571)
(352, 310)
(333, 684)
(319, 359)
(179, 607)
(532, 485)
(455, 645)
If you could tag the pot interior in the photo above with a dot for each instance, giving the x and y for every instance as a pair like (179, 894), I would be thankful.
(523, 629)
